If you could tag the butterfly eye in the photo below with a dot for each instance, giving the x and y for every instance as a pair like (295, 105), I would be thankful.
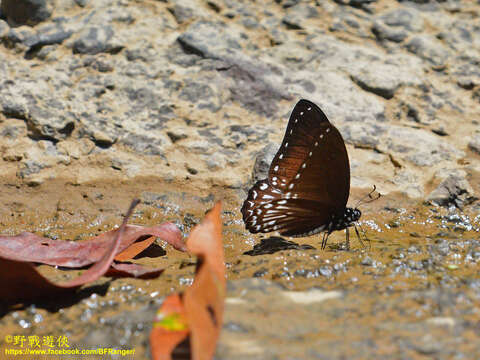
(358, 213)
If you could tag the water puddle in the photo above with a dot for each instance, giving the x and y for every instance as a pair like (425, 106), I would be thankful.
(413, 249)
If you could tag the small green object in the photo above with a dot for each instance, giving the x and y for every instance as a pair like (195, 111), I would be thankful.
(172, 322)
(452, 267)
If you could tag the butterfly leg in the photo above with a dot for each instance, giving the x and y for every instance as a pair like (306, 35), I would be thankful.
(324, 240)
(347, 239)
(358, 235)
(364, 235)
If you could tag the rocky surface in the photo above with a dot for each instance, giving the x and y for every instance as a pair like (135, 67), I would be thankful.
(296, 339)
(191, 87)
(195, 94)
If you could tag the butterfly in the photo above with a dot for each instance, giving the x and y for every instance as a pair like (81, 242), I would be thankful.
(308, 182)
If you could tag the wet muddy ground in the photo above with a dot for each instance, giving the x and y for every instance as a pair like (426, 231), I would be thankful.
(411, 291)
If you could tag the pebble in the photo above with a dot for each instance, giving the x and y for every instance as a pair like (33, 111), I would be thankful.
(474, 144)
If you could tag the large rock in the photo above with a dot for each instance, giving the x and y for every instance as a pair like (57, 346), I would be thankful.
(94, 40)
(454, 190)
(46, 119)
(384, 79)
(430, 49)
(396, 25)
(418, 147)
(297, 15)
(210, 40)
(29, 12)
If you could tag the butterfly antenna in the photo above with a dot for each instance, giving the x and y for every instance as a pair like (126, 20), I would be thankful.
(370, 197)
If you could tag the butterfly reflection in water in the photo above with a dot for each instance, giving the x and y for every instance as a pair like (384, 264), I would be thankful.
(308, 181)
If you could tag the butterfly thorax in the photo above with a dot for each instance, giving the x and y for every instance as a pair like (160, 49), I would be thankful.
(349, 217)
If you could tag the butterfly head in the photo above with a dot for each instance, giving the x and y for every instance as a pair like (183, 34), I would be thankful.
(351, 216)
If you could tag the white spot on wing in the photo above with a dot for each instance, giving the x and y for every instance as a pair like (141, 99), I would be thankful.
(275, 168)
(268, 206)
(275, 217)
(266, 196)
(328, 130)
(271, 222)
(321, 136)
(263, 186)
(274, 178)
(259, 211)
(316, 143)
(309, 108)
(304, 165)
(301, 112)
(297, 176)
(290, 187)
(281, 156)
(255, 193)
(281, 202)
(310, 153)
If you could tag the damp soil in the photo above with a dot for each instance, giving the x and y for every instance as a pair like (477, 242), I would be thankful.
(405, 247)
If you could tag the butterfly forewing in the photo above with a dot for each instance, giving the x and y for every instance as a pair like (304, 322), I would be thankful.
(308, 180)
(312, 158)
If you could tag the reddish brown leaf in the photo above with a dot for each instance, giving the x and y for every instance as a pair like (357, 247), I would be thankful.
(205, 241)
(20, 281)
(203, 302)
(30, 247)
(169, 328)
(135, 249)
(132, 270)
